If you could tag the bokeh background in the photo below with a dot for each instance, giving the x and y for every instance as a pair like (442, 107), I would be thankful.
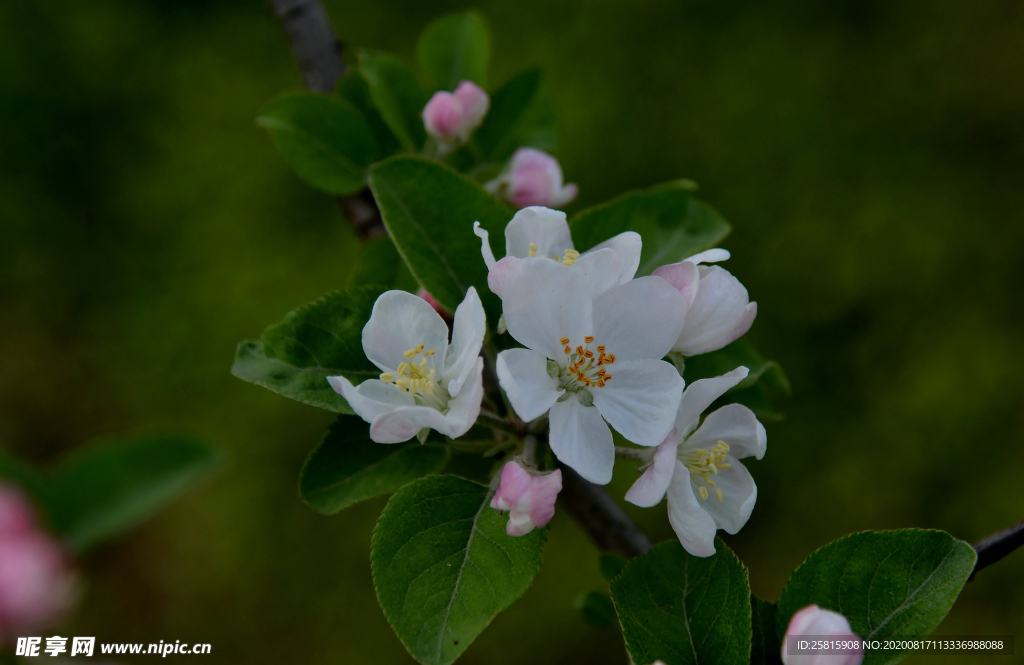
(870, 156)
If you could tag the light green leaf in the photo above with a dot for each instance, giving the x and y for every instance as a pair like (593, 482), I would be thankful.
(888, 584)
(352, 88)
(764, 644)
(107, 487)
(429, 211)
(454, 48)
(672, 224)
(765, 390)
(322, 339)
(683, 609)
(444, 567)
(324, 139)
(397, 94)
(520, 115)
(596, 608)
(381, 264)
(348, 467)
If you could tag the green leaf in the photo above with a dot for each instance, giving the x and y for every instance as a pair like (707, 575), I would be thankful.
(352, 87)
(108, 487)
(611, 565)
(520, 115)
(322, 339)
(764, 643)
(444, 567)
(381, 264)
(324, 139)
(454, 48)
(347, 467)
(681, 609)
(20, 473)
(765, 390)
(429, 211)
(397, 94)
(596, 608)
(673, 224)
(888, 584)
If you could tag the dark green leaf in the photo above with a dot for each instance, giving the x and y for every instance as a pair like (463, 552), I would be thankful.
(764, 643)
(429, 211)
(322, 339)
(520, 115)
(397, 94)
(348, 467)
(596, 608)
(108, 487)
(20, 473)
(455, 47)
(673, 224)
(765, 390)
(681, 609)
(352, 87)
(381, 264)
(444, 567)
(610, 565)
(323, 138)
(888, 584)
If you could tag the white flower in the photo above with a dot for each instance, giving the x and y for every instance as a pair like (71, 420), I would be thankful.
(532, 178)
(708, 489)
(544, 233)
(426, 382)
(719, 310)
(591, 358)
(818, 624)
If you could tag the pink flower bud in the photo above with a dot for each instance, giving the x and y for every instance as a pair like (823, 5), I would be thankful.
(817, 624)
(452, 117)
(533, 178)
(528, 497)
(17, 517)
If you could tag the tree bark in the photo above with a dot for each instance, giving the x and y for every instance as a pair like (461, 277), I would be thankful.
(312, 42)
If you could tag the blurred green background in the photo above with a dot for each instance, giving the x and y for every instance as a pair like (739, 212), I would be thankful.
(870, 156)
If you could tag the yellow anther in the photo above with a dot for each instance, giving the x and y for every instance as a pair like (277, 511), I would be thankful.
(719, 493)
(571, 256)
(533, 249)
(429, 352)
(564, 341)
(589, 339)
(388, 377)
(413, 351)
(703, 492)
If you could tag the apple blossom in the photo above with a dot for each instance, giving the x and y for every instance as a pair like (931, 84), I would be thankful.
(817, 623)
(707, 488)
(590, 358)
(718, 311)
(528, 497)
(432, 301)
(532, 178)
(425, 381)
(542, 232)
(450, 117)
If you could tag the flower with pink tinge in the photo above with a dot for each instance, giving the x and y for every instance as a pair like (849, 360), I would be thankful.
(817, 623)
(450, 117)
(17, 517)
(432, 301)
(533, 178)
(528, 497)
(718, 310)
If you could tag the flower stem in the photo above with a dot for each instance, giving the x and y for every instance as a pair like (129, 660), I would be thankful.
(494, 421)
(638, 454)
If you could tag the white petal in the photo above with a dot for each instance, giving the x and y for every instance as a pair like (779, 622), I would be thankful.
(600, 268)
(627, 247)
(404, 423)
(580, 439)
(641, 399)
(371, 398)
(650, 488)
(701, 393)
(737, 426)
(693, 526)
(523, 375)
(464, 408)
(716, 313)
(400, 321)
(709, 256)
(544, 227)
(485, 244)
(468, 330)
(544, 302)
(739, 493)
(639, 319)
(685, 277)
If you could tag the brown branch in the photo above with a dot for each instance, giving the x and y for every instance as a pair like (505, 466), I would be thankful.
(603, 518)
(997, 546)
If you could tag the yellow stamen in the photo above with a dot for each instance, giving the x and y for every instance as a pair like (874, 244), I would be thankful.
(703, 464)
(571, 256)
(589, 339)
(703, 492)
(388, 377)
(413, 351)
(533, 249)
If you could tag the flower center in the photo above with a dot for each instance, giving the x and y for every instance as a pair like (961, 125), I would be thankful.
(418, 379)
(703, 464)
(570, 257)
(584, 369)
